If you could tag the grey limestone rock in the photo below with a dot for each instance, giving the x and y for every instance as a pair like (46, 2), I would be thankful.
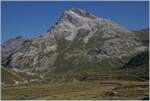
(78, 35)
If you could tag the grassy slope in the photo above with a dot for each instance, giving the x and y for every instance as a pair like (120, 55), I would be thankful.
(136, 69)
(139, 65)
(8, 76)
(111, 89)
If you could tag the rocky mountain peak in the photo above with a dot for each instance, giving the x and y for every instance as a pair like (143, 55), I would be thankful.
(75, 15)
(77, 21)
(78, 35)
(79, 12)
(71, 22)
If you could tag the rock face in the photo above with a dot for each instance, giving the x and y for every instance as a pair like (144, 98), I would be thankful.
(78, 39)
(9, 47)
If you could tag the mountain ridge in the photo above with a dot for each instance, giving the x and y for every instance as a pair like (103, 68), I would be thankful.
(79, 39)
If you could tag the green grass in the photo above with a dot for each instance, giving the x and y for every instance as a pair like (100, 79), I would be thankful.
(78, 90)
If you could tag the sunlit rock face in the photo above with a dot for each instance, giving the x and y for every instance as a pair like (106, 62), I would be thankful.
(78, 37)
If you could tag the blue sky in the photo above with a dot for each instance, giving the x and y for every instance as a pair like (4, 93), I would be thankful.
(33, 18)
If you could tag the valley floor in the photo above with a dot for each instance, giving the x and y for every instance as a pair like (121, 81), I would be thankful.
(92, 90)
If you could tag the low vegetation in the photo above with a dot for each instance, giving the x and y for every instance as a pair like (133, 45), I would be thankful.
(78, 90)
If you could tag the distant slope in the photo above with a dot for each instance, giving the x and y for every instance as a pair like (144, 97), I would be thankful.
(143, 35)
(9, 47)
(139, 65)
(138, 60)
